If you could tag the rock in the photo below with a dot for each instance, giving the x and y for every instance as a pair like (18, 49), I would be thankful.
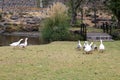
(10, 29)
(31, 22)
(30, 27)
(14, 17)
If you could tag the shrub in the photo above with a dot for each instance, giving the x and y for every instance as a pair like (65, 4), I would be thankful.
(55, 29)
(75, 37)
(56, 25)
(116, 34)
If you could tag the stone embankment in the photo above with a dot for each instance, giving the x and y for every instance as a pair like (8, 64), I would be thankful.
(27, 34)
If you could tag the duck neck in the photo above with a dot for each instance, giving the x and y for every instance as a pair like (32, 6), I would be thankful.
(91, 43)
(26, 42)
(79, 42)
(20, 40)
(87, 44)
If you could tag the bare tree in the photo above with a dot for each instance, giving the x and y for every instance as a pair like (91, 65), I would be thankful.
(74, 6)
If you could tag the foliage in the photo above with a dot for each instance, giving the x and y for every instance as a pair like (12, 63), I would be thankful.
(113, 18)
(56, 25)
(116, 34)
(53, 10)
(75, 37)
(57, 9)
(46, 2)
(55, 29)
(38, 3)
(74, 6)
(114, 6)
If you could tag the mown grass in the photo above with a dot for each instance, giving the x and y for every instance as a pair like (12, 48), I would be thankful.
(89, 29)
(60, 61)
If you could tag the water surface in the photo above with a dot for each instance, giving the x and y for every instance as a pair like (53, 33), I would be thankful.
(6, 40)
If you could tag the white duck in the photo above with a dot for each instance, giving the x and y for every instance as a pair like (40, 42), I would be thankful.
(88, 48)
(23, 45)
(14, 44)
(79, 45)
(101, 47)
(84, 45)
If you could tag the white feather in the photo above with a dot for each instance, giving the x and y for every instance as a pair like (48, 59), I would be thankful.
(101, 47)
(79, 45)
(87, 48)
(24, 44)
(16, 43)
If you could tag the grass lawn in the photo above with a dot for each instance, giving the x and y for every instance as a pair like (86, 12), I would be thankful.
(89, 29)
(60, 61)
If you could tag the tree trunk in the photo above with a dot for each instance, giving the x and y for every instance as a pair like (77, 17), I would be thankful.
(95, 22)
(118, 23)
(2, 5)
(73, 19)
(95, 17)
(75, 4)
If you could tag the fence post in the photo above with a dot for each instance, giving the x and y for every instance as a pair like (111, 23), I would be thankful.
(85, 33)
(111, 28)
(81, 29)
(107, 26)
(103, 27)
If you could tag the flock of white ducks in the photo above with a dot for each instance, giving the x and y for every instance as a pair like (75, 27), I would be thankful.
(19, 44)
(88, 48)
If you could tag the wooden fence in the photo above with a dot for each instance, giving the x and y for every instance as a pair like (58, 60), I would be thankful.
(82, 32)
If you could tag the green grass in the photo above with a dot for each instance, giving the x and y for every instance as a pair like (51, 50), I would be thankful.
(92, 29)
(60, 61)
(89, 29)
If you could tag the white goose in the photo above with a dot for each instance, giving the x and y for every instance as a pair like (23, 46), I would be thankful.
(88, 48)
(101, 47)
(14, 44)
(84, 45)
(23, 45)
(79, 45)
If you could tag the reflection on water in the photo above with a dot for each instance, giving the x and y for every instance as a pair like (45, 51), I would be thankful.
(6, 40)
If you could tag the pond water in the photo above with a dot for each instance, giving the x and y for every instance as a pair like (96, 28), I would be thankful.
(6, 40)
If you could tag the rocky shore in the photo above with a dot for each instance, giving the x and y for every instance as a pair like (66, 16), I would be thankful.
(27, 34)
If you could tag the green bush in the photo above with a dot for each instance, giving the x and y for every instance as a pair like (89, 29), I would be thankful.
(56, 25)
(55, 28)
(75, 37)
(116, 34)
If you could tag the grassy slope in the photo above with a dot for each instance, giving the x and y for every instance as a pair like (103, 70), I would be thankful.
(59, 61)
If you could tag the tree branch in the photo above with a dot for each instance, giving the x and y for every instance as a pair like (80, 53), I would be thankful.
(78, 2)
